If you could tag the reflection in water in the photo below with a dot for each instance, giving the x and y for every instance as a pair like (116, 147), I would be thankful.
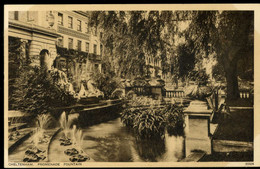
(174, 148)
(149, 150)
(112, 142)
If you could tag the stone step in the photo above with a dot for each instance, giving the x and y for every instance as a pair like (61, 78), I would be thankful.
(16, 126)
(194, 156)
(232, 146)
(24, 134)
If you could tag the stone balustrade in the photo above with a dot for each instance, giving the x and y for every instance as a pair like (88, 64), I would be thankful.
(174, 93)
(245, 94)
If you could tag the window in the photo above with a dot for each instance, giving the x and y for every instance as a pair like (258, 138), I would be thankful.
(60, 19)
(86, 27)
(87, 47)
(70, 22)
(79, 45)
(13, 15)
(16, 15)
(78, 25)
(101, 49)
(70, 43)
(95, 31)
(60, 42)
(95, 49)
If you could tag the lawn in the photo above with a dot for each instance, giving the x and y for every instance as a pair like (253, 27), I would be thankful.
(239, 126)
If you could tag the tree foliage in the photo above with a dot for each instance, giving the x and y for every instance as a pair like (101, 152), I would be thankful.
(106, 80)
(228, 35)
(185, 59)
(130, 36)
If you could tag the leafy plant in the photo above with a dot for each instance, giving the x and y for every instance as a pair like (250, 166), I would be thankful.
(149, 124)
(174, 119)
(37, 93)
(128, 116)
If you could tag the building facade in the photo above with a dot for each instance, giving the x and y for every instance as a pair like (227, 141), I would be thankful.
(62, 39)
(154, 65)
(36, 33)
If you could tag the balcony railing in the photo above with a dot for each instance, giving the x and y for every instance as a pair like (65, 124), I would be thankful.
(94, 57)
(70, 52)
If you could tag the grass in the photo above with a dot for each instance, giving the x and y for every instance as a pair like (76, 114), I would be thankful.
(237, 127)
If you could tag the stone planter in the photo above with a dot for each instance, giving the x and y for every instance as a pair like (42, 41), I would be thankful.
(197, 130)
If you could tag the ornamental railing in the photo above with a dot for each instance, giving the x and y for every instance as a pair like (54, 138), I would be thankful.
(174, 93)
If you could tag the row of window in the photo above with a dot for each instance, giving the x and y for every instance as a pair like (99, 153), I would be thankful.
(79, 24)
(79, 45)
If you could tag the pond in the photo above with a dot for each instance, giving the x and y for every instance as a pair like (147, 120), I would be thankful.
(112, 142)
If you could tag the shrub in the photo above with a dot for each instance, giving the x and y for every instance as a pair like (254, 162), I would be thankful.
(152, 122)
(36, 92)
(106, 83)
(128, 116)
(149, 124)
(174, 119)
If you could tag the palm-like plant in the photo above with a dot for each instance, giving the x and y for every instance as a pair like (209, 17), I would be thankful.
(149, 124)
(128, 116)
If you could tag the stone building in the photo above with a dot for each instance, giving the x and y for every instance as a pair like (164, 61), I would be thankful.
(36, 32)
(73, 26)
(62, 39)
(154, 66)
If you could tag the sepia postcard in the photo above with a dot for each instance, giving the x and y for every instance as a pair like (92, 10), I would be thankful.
(148, 85)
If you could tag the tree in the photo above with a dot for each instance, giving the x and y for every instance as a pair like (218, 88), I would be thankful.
(229, 36)
(237, 42)
(132, 35)
(186, 58)
(106, 80)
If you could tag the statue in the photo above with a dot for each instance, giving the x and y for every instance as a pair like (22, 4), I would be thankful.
(93, 90)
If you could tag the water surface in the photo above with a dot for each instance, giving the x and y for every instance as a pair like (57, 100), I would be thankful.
(112, 142)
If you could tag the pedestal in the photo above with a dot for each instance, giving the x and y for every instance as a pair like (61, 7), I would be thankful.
(197, 130)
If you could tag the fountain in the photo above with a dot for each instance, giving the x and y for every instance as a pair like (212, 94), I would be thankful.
(72, 137)
(38, 151)
(65, 123)
(82, 93)
(60, 78)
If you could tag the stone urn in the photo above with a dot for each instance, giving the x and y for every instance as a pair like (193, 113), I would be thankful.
(199, 92)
